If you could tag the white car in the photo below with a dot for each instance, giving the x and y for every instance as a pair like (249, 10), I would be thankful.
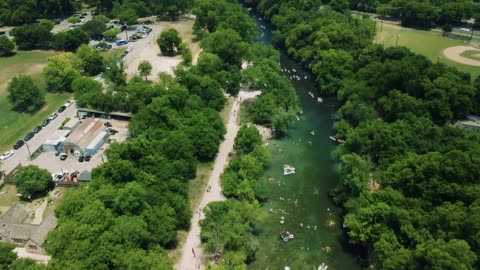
(6, 155)
(53, 116)
(464, 29)
(70, 102)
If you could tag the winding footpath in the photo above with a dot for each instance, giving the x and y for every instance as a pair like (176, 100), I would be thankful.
(192, 256)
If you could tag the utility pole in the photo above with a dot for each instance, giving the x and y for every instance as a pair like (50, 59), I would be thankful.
(471, 34)
(374, 28)
(28, 148)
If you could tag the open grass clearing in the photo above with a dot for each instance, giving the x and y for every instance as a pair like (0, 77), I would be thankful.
(472, 54)
(14, 125)
(429, 43)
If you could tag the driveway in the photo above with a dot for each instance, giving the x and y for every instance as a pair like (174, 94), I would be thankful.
(22, 156)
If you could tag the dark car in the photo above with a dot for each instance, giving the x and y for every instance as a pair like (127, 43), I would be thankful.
(37, 129)
(29, 136)
(81, 158)
(46, 122)
(63, 156)
(88, 157)
(61, 109)
(18, 145)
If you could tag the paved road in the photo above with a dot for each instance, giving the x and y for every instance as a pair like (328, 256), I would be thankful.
(21, 155)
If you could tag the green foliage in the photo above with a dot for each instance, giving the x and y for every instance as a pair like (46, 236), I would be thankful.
(60, 71)
(31, 180)
(70, 40)
(73, 20)
(31, 36)
(447, 28)
(247, 139)
(91, 61)
(111, 34)
(95, 27)
(169, 42)
(7, 256)
(145, 69)
(228, 45)
(28, 11)
(128, 16)
(186, 54)
(6, 46)
(25, 95)
(26, 264)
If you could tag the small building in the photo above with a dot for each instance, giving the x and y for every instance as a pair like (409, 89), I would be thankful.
(35, 243)
(99, 140)
(84, 112)
(57, 137)
(90, 130)
(15, 228)
(85, 176)
(72, 124)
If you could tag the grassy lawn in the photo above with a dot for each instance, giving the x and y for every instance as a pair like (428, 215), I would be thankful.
(429, 43)
(14, 125)
(472, 54)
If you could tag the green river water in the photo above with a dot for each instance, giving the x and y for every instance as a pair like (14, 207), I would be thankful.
(309, 214)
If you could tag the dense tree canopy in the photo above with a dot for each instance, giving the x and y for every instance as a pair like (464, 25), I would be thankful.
(408, 179)
(28, 11)
(60, 71)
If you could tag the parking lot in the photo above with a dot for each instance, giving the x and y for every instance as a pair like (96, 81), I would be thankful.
(50, 161)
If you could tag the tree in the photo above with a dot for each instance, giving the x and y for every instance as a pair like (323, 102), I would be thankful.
(169, 41)
(128, 16)
(73, 39)
(186, 54)
(227, 44)
(447, 28)
(111, 34)
(25, 95)
(31, 180)
(7, 256)
(247, 139)
(31, 36)
(26, 264)
(60, 72)
(91, 61)
(6, 46)
(94, 27)
(145, 69)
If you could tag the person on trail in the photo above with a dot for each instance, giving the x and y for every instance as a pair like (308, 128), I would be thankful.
(193, 251)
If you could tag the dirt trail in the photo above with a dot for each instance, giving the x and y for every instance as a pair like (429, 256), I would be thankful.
(453, 53)
(192, 256)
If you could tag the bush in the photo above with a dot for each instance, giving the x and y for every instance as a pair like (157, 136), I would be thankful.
(6, 46)
(447, 28)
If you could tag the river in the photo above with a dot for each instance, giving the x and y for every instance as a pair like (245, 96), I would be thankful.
(302, 198)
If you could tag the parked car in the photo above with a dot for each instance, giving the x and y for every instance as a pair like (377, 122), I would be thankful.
(121, 42)
(7, 155)
(63, 156)
(19, 144)
(29, 136)
(37, 129)
(45, 122)
(53, 116)
(88, 157)
(81, 158)
(68, 103)
(61, 109)
(107, 124)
